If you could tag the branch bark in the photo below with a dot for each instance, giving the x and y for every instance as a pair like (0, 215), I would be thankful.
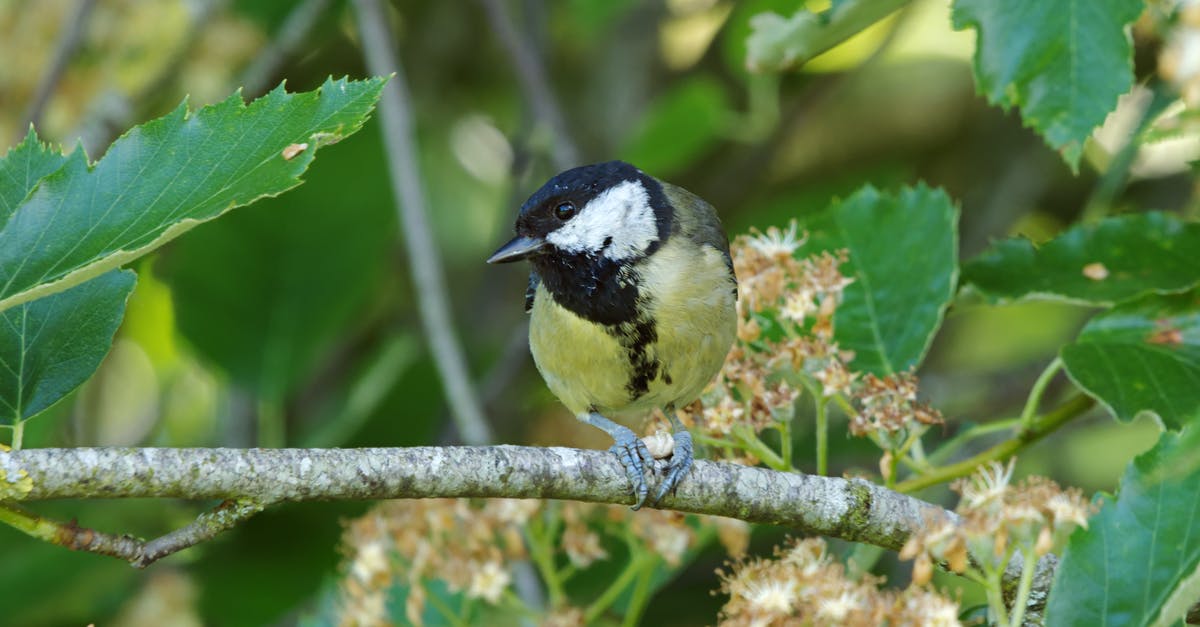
(850, 509)
(246, 480)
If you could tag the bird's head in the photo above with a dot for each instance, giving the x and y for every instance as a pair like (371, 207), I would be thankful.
(609, 212)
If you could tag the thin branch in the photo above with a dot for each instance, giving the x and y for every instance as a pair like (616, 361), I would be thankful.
(1041, 428)
(139, 553)
(425, 264)
(532, 76)
(73, 29)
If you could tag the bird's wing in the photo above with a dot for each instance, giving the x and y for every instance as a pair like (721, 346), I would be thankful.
(531, 290)
(707, 231)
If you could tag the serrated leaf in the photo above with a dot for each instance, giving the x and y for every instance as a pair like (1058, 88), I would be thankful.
(304, 265)
(1062, 63)
(1142, 356)
(1137, 562)
(20, 170)
(904, 262)
(1102, 263)
(50, 346)
(165, 176)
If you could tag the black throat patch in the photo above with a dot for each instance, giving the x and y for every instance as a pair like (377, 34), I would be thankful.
(601, 291)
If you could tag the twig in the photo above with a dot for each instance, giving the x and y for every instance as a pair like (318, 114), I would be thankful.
(424, 262)
(260, 74)
(532, 76)
(1040, 429)
(137, 552)
(73, 29)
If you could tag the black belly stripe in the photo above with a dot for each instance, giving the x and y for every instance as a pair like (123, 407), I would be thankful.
(637, 339)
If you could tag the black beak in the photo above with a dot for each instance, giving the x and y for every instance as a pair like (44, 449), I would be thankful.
(520, 247)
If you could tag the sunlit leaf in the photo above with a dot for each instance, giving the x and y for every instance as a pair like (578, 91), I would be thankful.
(778, 43)
(1062, 63)
(165, 176)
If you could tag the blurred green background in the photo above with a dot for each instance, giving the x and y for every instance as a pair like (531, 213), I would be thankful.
(299, 311)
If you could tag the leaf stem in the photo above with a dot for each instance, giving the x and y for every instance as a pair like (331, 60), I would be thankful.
(641, 593)
(708, 440)
(785, 442)
(953, 444)
(996, 597)
(843, 21)
(1024, 586)
(1040, 428)
(822, 435)
(1036, 392)
(750, 441)
(614, 590)
(542, 554)
(445, 610)
(18, 434)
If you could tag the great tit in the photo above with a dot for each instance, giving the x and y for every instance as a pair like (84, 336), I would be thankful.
(632, 295)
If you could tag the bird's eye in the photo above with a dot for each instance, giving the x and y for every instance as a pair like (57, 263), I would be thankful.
(564, 211)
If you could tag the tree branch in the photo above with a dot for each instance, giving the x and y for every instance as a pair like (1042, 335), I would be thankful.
(850, 509)
(246, 480)
(395, 112)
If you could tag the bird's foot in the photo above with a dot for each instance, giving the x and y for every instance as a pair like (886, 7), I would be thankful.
(633, 455)
(678, 466)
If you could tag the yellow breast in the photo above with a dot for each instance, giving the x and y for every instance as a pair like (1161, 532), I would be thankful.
(587, 365)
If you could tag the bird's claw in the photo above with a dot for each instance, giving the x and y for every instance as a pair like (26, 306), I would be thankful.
(633, 455)
(677, 468)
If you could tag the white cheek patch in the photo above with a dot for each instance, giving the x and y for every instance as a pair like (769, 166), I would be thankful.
(622, 214)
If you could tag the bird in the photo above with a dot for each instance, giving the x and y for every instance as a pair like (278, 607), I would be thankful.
(632, 302)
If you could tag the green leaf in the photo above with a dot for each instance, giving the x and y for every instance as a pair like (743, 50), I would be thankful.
(1099, 264)
(20, 170)
(52, 345)
(904, 262)
(1063, 63)
(1142, 356)
(778, 43)
(680, 126)
(264, 293)
(1138, 562)
(164, 177)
